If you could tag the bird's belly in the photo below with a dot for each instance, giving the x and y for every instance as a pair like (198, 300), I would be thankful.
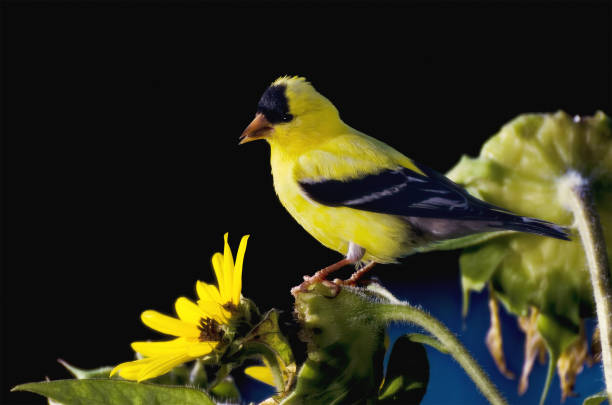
(384, 237)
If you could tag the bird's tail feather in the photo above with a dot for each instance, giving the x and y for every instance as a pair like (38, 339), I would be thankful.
(536, 226)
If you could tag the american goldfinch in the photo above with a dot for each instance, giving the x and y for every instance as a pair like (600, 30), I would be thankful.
(357, 195)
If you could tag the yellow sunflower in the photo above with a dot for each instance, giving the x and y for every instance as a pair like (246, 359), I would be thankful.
(199, 327)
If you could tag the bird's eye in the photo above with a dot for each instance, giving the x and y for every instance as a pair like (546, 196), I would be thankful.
(286, 117)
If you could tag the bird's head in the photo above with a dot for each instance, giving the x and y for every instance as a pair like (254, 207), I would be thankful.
(292, 113)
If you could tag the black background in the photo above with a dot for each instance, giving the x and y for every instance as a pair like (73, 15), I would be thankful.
(121, 164)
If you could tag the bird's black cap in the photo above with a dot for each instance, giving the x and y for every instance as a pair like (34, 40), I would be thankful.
(273, 104)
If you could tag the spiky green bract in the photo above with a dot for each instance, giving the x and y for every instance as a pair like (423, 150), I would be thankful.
(346, 347)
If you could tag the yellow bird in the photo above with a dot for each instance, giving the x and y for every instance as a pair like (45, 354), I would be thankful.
(357, 195)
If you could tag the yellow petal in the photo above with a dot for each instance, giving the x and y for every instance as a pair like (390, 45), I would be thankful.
(208, 292)
(130, 369)
(201, 349)
(188, 311)
(217, 263)
(149, 349)
(237, 287)
(168, 325)
(228, 272)
(260, 373)
(215, 311)
(210, 302)
(160, 365)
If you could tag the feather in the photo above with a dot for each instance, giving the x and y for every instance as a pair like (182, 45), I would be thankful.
(403, 192)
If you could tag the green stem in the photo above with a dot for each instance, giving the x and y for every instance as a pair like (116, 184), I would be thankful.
(594, 244)
(223, 372)
(408, 313)
(549, 376)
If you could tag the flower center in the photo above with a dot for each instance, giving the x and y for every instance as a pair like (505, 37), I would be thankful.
(210, 330)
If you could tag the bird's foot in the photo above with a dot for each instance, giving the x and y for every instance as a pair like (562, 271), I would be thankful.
(308, 281)
(356, 276)
(320, 277)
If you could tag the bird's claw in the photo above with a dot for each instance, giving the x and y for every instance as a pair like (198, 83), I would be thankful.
(348, 282)
(308, 281)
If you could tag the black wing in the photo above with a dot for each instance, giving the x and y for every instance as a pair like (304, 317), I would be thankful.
(402, 192)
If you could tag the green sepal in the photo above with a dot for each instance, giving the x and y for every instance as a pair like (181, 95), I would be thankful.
(477, 265)
(558, 336)
(81, 374)
(407, 372)
(264, 352)
(596, 399)
(256, 336)
(427, 340)
(248, 315)
(226, 391)
(112, 392)
(266, 342)
(269, 333)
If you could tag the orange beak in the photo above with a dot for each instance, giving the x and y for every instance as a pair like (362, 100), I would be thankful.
(257, 129)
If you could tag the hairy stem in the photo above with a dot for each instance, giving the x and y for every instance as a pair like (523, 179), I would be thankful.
(594, 244)
(407, 313)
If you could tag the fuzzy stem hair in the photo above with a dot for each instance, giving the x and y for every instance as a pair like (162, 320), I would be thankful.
(407, 313)
(580, 200)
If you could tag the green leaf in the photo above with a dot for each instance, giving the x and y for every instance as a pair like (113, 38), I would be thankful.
(407, 373)
(596, 399)
(113, 392)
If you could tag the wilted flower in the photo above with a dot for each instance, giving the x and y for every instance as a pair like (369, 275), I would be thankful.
(525, 168)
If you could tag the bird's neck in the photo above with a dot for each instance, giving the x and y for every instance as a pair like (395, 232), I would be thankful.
(292, 144)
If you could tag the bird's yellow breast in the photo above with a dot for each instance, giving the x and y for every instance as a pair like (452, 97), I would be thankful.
(384, 237)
